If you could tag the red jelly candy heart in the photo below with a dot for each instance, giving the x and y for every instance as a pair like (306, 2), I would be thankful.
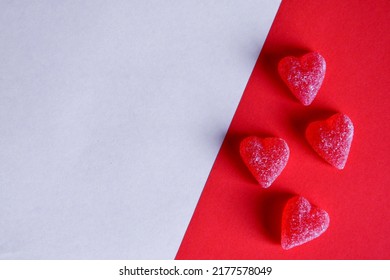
(302, 222)
(332, 138)
(265, 157)
(303, 75)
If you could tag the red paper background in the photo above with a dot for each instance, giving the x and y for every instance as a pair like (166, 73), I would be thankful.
(237, 219)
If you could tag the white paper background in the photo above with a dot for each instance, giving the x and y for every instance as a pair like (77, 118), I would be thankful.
(111, 115)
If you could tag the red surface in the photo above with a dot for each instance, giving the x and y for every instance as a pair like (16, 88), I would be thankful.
(236, 218)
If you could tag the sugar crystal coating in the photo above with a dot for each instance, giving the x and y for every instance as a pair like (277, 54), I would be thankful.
(304, 75)
(301, 222)
(264, 157)
(332, 138)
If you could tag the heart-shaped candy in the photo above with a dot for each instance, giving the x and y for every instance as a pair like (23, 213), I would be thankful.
(265, 157)
(301, 222)
(332, 138)
(304, 75)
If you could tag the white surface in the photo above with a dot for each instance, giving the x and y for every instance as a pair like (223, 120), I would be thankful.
(111, 115)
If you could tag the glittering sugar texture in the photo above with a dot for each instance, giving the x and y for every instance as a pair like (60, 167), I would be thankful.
(302, 222)
(332, 138)
(304, 75)
(265, 157)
